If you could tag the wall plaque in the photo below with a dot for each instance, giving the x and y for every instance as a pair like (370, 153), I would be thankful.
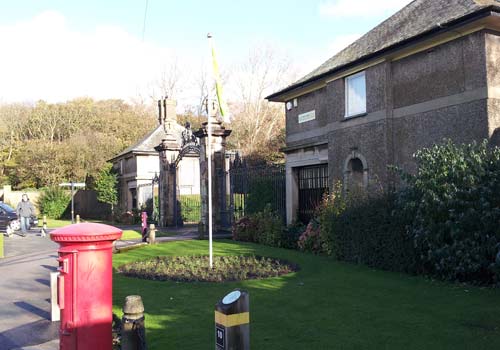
(305, 117)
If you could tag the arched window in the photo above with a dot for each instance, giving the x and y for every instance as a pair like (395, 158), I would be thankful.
(355, 172)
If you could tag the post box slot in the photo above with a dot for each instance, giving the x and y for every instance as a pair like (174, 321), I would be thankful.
(63, 265)
(60, 291)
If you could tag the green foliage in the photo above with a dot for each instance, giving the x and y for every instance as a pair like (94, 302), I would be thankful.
(368, 231)
(265, 188)
(318, 236)
(291, 235)
(332, 206)
(264, 227)
(46, 144)
(190, 207)
(309, 240)
(53, 202)
(106, 184)
(453, 210)
(245, 229)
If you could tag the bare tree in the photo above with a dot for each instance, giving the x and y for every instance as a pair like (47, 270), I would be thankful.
(168, 81)
(258, 125)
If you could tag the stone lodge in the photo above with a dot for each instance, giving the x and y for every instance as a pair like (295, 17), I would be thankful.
(429, 72)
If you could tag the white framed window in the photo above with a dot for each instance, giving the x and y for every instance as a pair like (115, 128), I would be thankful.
(355, 95)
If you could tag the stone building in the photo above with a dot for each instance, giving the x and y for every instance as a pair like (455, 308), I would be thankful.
(138, 165)
(429, 72)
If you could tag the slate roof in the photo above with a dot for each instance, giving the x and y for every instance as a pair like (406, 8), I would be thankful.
(417, 18)
(150, 141)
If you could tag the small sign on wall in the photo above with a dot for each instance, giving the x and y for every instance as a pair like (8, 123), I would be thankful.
(305, 117)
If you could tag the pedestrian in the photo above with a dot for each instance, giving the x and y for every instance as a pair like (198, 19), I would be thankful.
(25, 210)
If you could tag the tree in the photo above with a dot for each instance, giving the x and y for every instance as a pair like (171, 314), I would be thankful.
(45, 144)
(258, 125)
(105, 185)
(168, 82)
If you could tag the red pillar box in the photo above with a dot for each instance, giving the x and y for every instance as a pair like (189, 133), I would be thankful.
(84, 286)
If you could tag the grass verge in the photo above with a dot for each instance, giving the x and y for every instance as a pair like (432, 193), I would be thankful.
(127, 234)
(325, 305)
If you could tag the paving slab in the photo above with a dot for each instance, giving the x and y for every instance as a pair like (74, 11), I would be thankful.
(25, 291)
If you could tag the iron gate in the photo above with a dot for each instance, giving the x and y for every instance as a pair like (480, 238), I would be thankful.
(313, 184)
(255, 189)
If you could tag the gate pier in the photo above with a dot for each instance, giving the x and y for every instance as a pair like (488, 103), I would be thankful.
(218, 157)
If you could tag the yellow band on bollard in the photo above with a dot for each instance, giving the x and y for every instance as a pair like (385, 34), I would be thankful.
(232, 320)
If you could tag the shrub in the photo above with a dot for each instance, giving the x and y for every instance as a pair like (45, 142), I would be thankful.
(310, 240)
(291, 234)
(53, 202)
(362, 228)
(270, 228)
(106, 186)
(245, 229)
(454, 205)
(369, 232)
(264, 227)
(331, 207)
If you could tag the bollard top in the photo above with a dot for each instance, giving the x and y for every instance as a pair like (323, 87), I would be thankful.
(133, 305)
(234, 302)
(86, 232)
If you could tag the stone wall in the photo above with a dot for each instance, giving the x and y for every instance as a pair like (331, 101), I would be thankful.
(448, 69)
(13, 197)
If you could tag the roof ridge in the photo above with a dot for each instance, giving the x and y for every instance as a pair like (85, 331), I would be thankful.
(415, 19)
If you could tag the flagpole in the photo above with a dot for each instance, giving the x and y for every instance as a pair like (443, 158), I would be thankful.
(209, 159)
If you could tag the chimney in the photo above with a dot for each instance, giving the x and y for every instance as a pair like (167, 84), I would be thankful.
(166, 110)
(160, 113)
(169, 109)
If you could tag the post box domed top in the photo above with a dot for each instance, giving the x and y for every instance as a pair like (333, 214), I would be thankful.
(87, 232)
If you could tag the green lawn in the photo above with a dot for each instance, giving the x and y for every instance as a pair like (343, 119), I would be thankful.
(326, 305)
(53, 223)
(127, 234)
(134, 234)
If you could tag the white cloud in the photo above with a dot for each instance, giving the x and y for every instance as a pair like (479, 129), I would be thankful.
(360, 8)
(43, 59)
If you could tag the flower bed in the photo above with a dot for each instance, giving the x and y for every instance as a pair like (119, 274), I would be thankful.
(196, 268)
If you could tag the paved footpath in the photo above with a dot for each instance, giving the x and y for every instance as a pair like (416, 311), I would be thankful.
(25, 289)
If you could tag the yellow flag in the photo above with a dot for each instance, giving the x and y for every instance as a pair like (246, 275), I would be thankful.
(218, 86)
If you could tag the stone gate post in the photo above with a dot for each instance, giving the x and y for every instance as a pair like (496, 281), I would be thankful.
(219, 134)
(168, 150)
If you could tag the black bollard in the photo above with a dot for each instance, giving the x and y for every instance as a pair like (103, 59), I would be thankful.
(232, 322)
(133, 333)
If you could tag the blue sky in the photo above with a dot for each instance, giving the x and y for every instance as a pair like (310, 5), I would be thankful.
(109, 33)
